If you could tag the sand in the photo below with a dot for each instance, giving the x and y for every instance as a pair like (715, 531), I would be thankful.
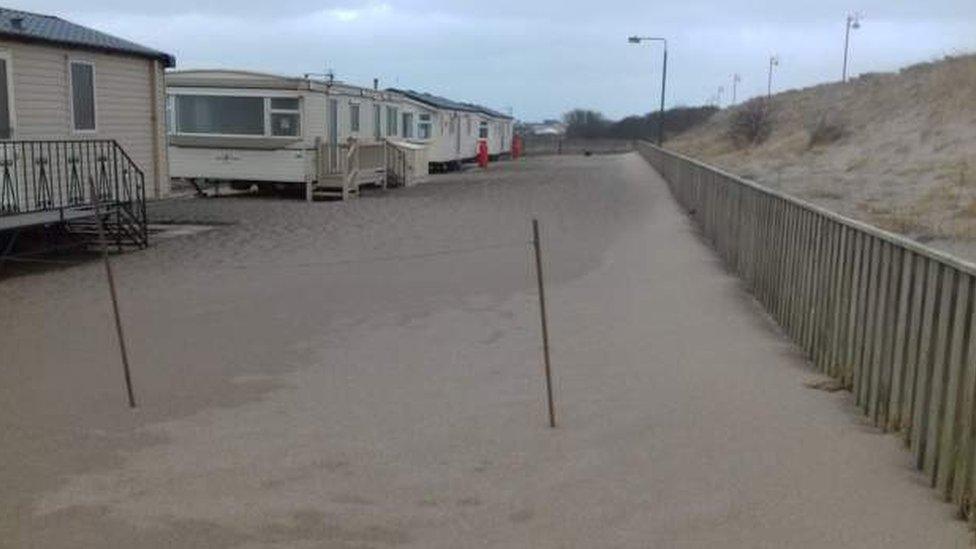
(368, 374)
(904, 161)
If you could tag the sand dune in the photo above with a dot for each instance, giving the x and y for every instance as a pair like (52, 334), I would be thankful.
(906, 161)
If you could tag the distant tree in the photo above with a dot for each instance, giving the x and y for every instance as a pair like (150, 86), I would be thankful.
(585, 123)
(590, 124)
(676, 120)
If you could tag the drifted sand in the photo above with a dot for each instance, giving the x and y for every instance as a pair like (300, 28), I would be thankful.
(300, 387)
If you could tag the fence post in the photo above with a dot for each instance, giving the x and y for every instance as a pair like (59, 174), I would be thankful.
(96, 203)
(893, 320)
(545, 325)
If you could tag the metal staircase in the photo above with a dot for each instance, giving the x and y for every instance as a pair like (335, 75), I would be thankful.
(60, 182)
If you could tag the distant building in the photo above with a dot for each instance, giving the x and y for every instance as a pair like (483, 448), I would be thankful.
(548, 127)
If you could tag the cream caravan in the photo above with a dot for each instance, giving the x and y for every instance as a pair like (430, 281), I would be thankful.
(452, 137)
(496, 129)
(248, 127)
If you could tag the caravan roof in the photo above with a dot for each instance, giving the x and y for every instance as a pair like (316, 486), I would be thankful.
(35, 27)
(448, 104)
(432, 100)
(226, 78)
(490, 112)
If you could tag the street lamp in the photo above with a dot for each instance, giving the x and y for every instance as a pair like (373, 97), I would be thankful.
(664, 80)
(853, 22)
(773, 62)
(735, 86)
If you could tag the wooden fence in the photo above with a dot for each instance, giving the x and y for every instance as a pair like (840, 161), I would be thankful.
(889, 318)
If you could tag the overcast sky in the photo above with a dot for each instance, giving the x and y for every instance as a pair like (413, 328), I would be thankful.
(539, 57)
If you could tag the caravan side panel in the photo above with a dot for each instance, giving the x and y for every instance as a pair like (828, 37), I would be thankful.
(279, 165)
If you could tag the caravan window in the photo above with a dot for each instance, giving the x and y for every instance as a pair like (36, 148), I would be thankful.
(353, 117)
(408, 125)
(423, 127)
(483, 130)
(83, 95)
(216, 114)
(285, 116)
(391, 121)
(377, 123)
(6, 112)
(236, 115)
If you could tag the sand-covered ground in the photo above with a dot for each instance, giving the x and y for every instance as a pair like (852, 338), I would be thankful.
(904, 157)
(368, 374)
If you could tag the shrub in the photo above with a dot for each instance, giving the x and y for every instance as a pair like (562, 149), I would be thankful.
(751, 123)
(827, 128)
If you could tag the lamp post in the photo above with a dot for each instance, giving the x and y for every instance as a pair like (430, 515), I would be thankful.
(735, 86)
(721, 90)
(853, 22)
(664, 80)
(773, 62)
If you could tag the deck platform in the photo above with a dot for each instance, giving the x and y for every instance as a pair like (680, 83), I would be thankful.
(13, 222)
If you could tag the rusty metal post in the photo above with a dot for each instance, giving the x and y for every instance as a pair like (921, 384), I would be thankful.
(545, 325)
(96, 202)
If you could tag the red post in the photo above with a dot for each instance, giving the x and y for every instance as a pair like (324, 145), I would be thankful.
(483, 154)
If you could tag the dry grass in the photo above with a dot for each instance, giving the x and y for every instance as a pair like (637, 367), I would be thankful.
(826, 128)
(752, 123)
(895, 149)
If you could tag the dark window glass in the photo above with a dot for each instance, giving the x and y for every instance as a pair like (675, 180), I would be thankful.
(4, 101)
(83, 96)
(225, 115)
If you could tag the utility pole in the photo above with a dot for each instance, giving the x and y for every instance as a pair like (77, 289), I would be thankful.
(853, 22)
(664, 80)
(773, 62)
(735, 86)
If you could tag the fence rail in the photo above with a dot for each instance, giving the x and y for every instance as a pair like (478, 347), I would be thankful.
(56, 176)
(893, 320)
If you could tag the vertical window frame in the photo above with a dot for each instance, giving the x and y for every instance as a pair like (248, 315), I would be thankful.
(270, 111)
(170, 114)
(392, 121)
(8, 56)
(407, 122)
(378, 121)
(358, 119)
(71, 96)
(425, 126)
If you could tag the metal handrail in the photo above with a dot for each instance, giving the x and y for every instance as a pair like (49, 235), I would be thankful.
(891, 319)
(59, 175)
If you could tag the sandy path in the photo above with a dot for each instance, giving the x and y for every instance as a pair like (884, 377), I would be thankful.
(301, 389)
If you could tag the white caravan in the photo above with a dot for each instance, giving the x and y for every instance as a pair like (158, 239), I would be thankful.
(495, 128)
(457, 128)
(452, 134)
(248, 127)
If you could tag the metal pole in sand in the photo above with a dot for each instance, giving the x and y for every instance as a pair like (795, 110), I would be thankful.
(96, 202)
(545, 324)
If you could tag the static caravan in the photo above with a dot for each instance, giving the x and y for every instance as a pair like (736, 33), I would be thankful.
(276, 131)
(451, 134)
(495, 128)
(81, 122)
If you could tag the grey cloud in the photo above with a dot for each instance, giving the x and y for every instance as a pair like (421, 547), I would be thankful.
(540, 57)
